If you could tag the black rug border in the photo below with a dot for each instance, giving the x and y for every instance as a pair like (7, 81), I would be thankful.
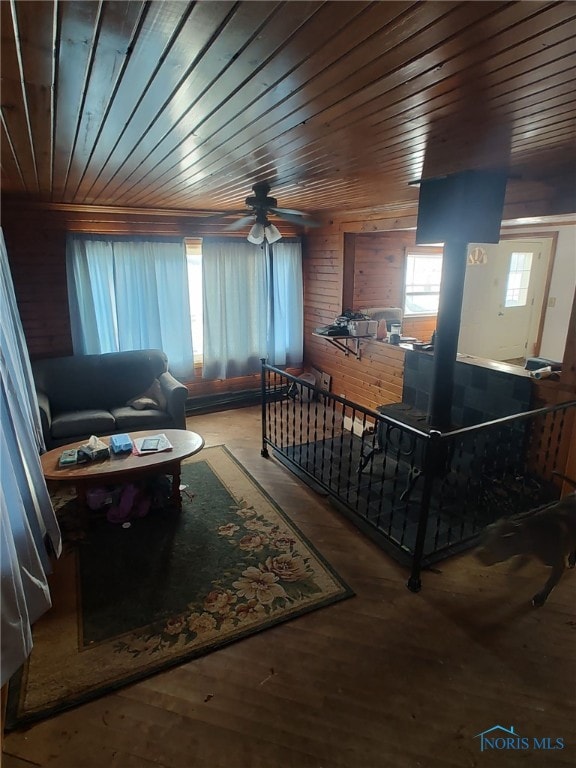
(13, 722)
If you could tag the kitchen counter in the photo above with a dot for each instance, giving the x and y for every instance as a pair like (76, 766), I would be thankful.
(493, 365)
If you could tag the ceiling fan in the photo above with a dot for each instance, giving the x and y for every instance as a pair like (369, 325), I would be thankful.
(262, 206)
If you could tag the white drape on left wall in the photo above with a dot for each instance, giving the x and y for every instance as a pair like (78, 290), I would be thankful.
(27, 520)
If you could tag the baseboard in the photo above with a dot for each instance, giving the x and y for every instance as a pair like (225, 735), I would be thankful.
(222, 401)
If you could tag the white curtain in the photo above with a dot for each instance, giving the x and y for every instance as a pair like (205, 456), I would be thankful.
(253, 306)
(28, 522)
(235, 289)
(286, 336)
(130, 294)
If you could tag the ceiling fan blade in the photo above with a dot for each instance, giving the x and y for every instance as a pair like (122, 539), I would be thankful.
(288, 210)
(222, 215)
(240, 224)
(302, 220)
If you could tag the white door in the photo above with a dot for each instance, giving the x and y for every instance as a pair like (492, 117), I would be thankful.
(503, 299)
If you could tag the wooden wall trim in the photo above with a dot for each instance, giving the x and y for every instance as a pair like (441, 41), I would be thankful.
(115, 220)
(349, 259)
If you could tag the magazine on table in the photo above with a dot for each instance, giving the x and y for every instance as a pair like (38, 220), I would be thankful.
(151, 444)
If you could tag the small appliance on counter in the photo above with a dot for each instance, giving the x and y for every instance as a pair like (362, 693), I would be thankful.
(395, 333)
(357, 324)
(363, 327)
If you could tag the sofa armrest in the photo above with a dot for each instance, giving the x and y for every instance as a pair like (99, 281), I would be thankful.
(176, 395)
(45, 415)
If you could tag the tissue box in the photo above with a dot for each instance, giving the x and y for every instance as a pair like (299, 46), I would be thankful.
(121, 444)
(94, 449)
(362, 327)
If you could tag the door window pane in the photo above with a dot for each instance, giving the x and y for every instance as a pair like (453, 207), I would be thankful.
(518, 279)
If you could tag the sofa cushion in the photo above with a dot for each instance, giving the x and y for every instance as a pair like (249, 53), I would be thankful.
(144, 403)
(156, 392)
(85, 382)
(73, 423)
(153, 397)
(128, 419)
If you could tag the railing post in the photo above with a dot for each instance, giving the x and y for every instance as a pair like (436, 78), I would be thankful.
(431, 464)
(264, 449)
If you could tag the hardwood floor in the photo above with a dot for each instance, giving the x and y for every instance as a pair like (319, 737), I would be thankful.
(386, 678)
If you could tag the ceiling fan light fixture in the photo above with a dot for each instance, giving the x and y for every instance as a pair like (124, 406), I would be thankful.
(256, 234)
(262, 205)
(272, 233)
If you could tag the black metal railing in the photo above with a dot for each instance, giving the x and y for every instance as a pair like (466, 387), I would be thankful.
(421, 494)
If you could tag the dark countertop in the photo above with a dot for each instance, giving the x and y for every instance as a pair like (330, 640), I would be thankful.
(493, 365)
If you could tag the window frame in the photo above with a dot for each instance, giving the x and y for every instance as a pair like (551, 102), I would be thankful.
(426, 251)
(193, 247)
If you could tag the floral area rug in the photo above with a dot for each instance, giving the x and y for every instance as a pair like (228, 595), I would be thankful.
(131, 601)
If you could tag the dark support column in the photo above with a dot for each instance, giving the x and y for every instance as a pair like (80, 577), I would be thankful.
(447, 330)
(271, 344)
(264, 449)
(271, 298)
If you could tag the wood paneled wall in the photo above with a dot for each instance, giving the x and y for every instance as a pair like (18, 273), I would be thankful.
(549, 392)
(375, 263)
(36, 248)
(379, 269)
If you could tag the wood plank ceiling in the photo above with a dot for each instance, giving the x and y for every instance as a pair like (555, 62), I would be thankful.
(339, 105)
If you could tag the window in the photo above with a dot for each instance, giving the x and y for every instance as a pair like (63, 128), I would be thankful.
(253, 306)
(422, 281)
(194, 262)
(215, 307)
(518, 279)
(130, 293)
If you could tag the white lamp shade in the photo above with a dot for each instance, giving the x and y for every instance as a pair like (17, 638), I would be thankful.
(256, 234)
(272, 233)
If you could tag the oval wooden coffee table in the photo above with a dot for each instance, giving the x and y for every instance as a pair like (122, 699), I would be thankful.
(124, 467)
